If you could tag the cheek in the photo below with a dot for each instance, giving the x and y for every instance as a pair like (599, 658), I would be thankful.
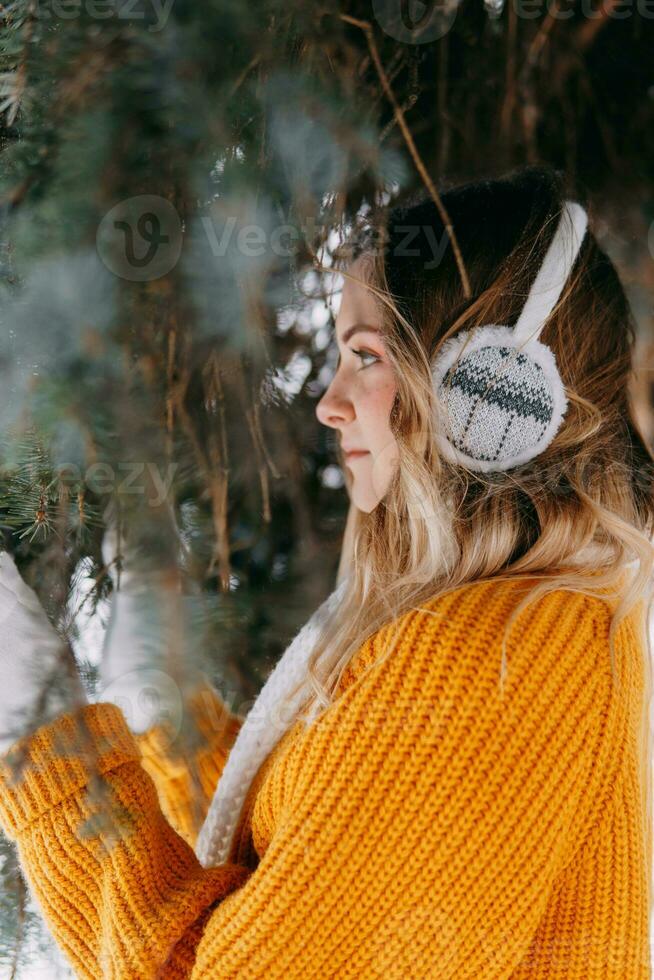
(375, 407)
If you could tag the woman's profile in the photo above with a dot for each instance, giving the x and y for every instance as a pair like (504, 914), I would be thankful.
(460, 784)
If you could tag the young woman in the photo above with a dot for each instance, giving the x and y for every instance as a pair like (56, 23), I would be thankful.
(465, 790)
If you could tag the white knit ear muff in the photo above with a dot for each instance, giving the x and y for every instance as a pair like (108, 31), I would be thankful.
(501, 401)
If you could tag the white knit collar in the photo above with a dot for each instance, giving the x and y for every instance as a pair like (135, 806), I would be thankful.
(271, 715)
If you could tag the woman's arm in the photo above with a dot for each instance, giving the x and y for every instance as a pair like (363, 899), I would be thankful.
(423, 825)
(122, 892)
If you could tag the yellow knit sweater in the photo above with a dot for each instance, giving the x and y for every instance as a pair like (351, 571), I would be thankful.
(424, 827)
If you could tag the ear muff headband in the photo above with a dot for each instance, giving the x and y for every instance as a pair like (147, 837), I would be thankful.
(501, 401)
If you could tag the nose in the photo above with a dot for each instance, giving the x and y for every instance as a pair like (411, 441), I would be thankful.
(334, 409)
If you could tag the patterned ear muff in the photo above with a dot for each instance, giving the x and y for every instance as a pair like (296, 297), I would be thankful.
(500, 399)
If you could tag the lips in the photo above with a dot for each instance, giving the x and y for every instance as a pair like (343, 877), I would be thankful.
(356, 453)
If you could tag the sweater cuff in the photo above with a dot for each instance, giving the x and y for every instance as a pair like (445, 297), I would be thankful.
(58, 760)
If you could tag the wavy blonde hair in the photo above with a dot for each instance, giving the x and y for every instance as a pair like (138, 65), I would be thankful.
(576, 516)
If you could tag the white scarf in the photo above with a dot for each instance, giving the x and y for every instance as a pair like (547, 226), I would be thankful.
(271, 715)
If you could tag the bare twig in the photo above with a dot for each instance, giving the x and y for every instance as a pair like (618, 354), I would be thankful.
(366, 27)
(20, 931)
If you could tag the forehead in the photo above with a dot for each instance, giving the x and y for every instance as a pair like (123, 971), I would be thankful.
(358, 303)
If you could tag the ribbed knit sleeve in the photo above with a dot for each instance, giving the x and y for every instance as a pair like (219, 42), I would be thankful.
(420, 828)
(185, 766)
(122, 892)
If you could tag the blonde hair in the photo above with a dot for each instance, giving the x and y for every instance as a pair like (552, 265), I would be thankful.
(563, 520)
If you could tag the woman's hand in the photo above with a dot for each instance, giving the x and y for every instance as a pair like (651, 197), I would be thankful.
(36, 683)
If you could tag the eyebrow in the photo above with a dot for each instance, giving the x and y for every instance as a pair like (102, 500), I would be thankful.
(359, 328)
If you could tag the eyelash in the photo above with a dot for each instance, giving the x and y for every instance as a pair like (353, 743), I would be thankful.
(365, 353)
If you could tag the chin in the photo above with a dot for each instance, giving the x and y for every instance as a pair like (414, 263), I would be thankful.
(365, 506)
(369, 487)
(364, 499)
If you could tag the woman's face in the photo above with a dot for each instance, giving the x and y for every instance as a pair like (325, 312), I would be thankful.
(359, 399)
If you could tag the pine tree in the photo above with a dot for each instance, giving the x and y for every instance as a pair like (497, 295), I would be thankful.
(175, 181)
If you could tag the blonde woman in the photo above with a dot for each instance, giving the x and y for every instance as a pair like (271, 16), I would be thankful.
(463, 789)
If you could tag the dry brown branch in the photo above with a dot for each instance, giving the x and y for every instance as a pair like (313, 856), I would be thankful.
(213, 487)
(510, 95)
(20, 931)
(583, 38)
(540, 40)
(442, 93)
(366, 27)
(218, 453)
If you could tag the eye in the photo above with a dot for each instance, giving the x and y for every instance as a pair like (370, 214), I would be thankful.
(361, 354)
